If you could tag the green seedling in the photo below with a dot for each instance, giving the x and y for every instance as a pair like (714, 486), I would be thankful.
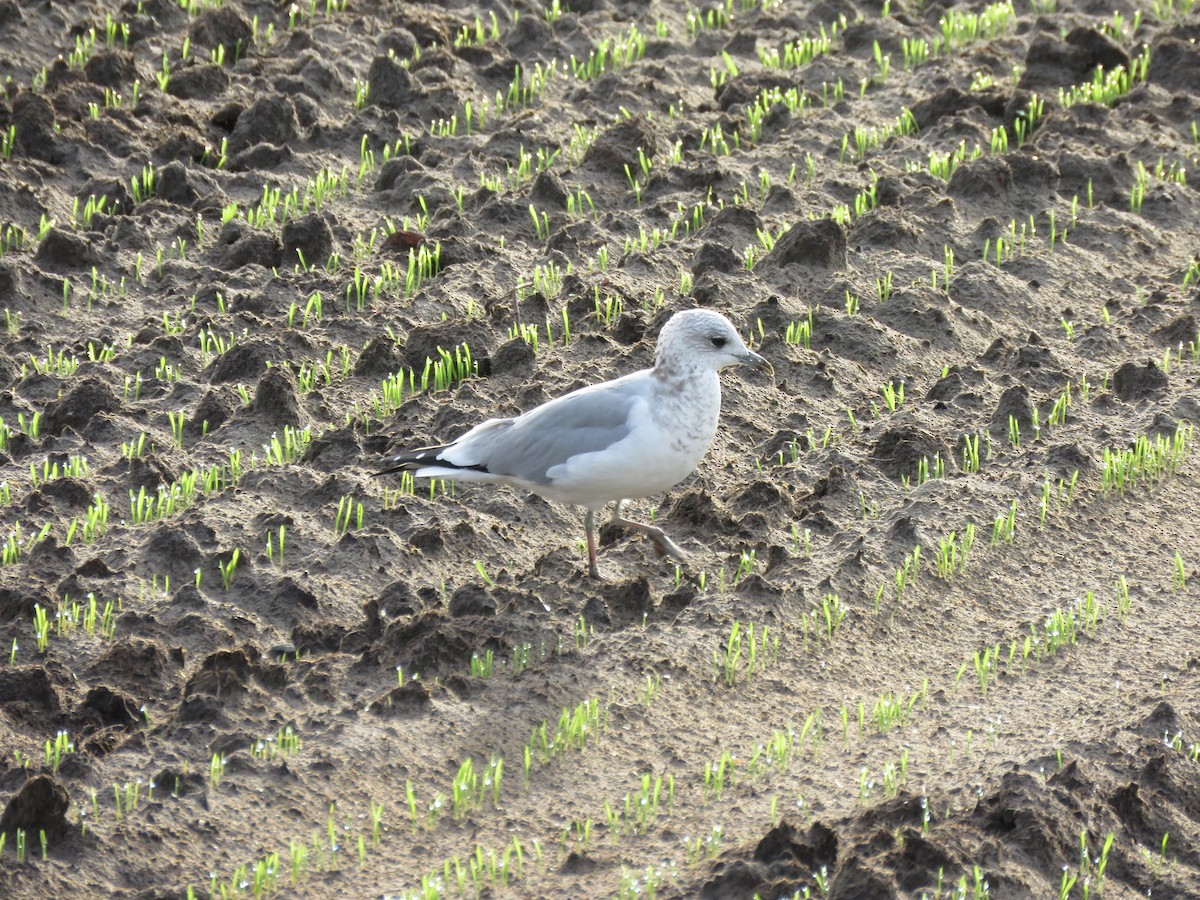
(907, 572)
(177, 421)
(8, 142)
(986, 663)
(823, 622)
(482, 666)
(894, 775)
(1005, 526)
(41, 627)
(883, 288)
(800, 332)
(1147, 460)
(284, 743)
(1124, 603)
(58, 749)
(641, 807)
(893, 395)
(520, 659)
(349, 516)
(719, 774)
(951, 556)
(229, 568)
(650, 689)
(470, 789)
(574, 729)
(702, 848)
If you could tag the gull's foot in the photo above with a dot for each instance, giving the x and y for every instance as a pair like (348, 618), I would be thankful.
(664, 546)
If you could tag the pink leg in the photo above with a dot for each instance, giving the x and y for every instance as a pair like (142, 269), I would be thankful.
(589, 523)
(662, 544)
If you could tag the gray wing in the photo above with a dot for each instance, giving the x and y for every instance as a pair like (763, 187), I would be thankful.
(529, 446)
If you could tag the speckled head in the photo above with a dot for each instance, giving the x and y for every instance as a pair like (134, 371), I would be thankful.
(705, 339)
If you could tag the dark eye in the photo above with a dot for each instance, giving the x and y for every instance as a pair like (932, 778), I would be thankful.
(719, 342)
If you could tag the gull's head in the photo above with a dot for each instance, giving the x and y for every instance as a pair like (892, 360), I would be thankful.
(701, 337)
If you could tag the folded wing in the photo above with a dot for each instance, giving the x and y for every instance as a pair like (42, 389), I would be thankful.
(525, 449)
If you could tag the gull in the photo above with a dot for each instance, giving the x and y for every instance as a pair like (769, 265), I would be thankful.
(635, 436)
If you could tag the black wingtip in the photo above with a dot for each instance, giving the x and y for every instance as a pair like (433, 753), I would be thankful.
(408, 459)
(415, 459)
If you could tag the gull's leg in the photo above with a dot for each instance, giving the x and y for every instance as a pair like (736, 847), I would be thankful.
(589, 524)
(663, 545)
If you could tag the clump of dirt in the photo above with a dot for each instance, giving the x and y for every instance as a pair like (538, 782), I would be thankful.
(934, 634)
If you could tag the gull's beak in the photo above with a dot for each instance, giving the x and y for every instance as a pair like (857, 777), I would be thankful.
(750, 358)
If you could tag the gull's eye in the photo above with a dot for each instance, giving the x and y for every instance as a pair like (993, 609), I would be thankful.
(719, 341)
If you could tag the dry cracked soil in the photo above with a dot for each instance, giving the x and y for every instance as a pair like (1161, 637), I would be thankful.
(937, 632)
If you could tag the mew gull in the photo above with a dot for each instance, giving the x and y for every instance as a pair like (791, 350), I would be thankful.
(634, 436)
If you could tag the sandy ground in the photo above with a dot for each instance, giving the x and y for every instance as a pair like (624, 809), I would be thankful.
(234, 663)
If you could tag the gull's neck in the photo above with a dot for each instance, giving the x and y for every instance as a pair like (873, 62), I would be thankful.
(679, 372)
(688, 398)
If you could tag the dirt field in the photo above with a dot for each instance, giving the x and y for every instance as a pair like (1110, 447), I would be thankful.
(937, 634)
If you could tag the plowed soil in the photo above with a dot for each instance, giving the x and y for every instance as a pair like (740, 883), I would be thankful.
(246, 250)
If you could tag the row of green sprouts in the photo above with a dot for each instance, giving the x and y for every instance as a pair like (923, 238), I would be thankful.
(1147, 461)
(640, 808)
(148, 506)
(957, 27)
(1061, 628)
(758, 651)
(69, 617)
(473, 789)
(437, 374)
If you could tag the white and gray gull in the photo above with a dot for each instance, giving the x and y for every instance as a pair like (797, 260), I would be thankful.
(634, 436)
